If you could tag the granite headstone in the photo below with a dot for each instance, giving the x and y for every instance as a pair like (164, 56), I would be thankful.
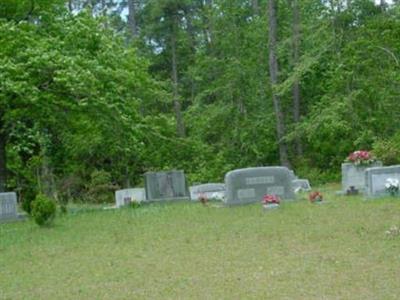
(354, 175)
(250, 185)
(376, 179)
(8, 206)
(170, 185)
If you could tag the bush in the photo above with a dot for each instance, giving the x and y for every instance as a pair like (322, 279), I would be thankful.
(388, 151)
(28, 196)
(43, 210)
(100, 188)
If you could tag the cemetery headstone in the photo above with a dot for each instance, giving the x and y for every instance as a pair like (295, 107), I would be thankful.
(126, 196)
(170, 185)
(353, 176)
(8, 206)
(301, 185)
(376, 179)
(250, 185)
(214, 191)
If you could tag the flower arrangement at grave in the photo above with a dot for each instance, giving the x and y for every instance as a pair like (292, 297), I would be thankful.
(203, 199)
(361, 158)
(315, 197)
(271, 201)
(392, 186)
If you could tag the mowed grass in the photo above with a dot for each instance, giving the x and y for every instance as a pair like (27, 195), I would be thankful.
(338, 250)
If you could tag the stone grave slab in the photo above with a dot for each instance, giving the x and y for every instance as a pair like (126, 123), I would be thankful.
(251, 184)
(126, 196)
(376, 179)
(8, 206)
(301, 185)
(214, 191)
(353, 175)
(163, 186)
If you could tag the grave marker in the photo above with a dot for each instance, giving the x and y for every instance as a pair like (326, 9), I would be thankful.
(251, 184)
(170, 185)
(376, 180)
(8, 206)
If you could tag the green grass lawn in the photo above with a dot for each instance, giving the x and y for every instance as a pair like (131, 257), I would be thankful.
(338, 250)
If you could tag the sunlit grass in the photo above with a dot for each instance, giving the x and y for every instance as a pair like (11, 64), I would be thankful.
(338, 250)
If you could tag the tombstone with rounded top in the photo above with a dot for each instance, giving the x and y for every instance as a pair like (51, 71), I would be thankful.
(251, 184)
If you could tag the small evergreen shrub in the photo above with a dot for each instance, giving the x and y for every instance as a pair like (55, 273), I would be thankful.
(43, 210)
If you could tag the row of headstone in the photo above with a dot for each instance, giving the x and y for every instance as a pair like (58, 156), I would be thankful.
(370, 180)
(241, 186)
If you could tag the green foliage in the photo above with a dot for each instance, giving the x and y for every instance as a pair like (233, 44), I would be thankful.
(43, 210)
(100, 188)
(388, 150)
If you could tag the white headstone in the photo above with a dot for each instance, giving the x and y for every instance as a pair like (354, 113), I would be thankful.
(126, 196)
(301, 185)
(376, 178)
(251, 184)
(8, 206)
(214, 191)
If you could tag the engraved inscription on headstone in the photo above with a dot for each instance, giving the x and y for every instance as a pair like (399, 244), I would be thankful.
(8, 206)
(246, 193)
(260, 180)
(251, 184)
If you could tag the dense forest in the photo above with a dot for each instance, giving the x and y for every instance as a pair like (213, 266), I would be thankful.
(94, 93)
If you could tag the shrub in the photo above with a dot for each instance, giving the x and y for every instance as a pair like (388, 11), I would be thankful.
(388, 150)
(28, 196)
(100, 188)
(43, 210)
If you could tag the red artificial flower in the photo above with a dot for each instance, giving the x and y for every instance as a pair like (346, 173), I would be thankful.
(315, 197)
(270, 199)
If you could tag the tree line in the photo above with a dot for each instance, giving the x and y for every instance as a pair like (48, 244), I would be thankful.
(93, 93)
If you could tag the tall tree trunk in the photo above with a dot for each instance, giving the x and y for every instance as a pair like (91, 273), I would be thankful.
(3, 161)
(180, 127)
(133, 30)
(256, 7)
(274, 70)
(296, 84)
